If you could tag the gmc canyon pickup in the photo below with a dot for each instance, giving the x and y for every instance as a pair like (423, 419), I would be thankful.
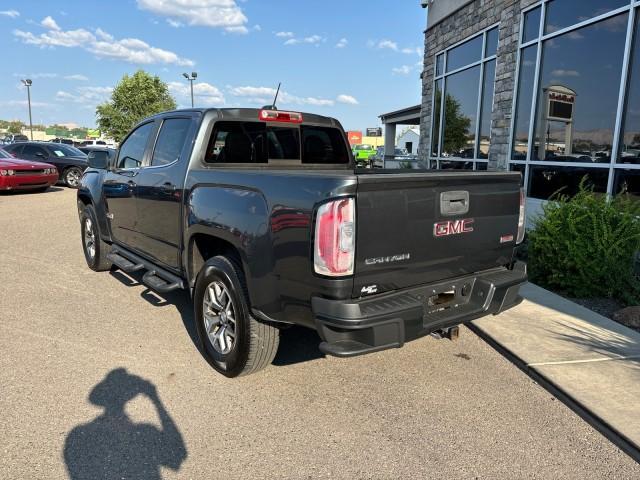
(263, 218)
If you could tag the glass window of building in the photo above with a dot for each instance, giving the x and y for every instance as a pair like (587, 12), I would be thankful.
(578, 93)
(564, 13)
(524, 99)
(629, 149)
(463, 103)
(577, 99)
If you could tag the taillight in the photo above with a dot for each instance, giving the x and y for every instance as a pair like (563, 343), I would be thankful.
(521, 218)
(278, 116)
(335, 239)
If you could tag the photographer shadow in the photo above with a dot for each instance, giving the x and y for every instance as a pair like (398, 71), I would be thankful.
(112, 445)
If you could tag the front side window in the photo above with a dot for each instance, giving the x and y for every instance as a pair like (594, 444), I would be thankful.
(132, 150)
(171, 139)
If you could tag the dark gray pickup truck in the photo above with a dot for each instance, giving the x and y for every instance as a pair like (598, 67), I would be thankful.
(262, 217)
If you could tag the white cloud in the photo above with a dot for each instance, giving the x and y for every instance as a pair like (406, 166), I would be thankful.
(312, 40)
(411, 50)
(87, 96)
(284, 34)
(34, 76)
(204, 93)
(10, 13)
(23, 103)
(388, 44)
(78, 77)
(257, 28)
(347, 99)
(174, 23)
(565, 73)
(225, 14)
(403, 70)
(101, 44)
(265, 95)
(343, 42)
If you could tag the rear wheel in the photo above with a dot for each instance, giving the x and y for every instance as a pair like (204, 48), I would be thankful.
(234, 342)
(95, 249)
(72, 176)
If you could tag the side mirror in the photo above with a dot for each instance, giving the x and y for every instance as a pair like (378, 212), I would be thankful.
(98, 159)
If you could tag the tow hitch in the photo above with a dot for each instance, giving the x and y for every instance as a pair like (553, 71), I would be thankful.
(452, 333)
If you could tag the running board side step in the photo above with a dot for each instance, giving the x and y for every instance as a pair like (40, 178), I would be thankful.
(155, 278)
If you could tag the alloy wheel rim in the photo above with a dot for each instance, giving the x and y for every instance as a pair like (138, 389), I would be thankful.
(219, 316)
(73, 178)
(89, 238)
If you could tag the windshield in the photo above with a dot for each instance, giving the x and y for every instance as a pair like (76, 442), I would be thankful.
(62, 150)
(4, 154)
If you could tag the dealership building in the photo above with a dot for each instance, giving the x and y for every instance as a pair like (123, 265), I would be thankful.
(547, 88)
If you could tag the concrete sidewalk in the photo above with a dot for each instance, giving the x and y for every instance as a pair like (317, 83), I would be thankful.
(590, 362)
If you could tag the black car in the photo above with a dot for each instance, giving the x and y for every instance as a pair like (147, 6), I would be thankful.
(69, 161)
(264, 218)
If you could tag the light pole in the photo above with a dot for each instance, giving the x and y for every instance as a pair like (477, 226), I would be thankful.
(191, 78)
(27, 83)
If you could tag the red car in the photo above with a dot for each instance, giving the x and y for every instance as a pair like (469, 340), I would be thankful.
(16, 174)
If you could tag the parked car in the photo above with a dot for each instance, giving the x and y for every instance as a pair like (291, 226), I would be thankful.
(69, 161)
(18, 174)
(362, 153)
(401, 154)
(66, 141)
(261, 215)
(13, 138)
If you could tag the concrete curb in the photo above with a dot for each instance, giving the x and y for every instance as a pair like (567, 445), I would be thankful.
(533, 337)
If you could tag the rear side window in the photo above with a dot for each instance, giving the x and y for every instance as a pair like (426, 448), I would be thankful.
(170, 141)
(33, 150)
(132, 150)
(323, 145)
(237, 142)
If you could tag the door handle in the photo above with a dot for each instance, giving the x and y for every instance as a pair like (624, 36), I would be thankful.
(168, 187)
(131, 184)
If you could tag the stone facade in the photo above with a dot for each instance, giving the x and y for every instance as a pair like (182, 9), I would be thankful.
(463, 23)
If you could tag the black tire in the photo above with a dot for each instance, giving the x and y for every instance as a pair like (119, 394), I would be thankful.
(71, 177)
(255, 344)
(98, 260)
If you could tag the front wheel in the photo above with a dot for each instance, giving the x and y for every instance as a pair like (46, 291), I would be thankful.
(95, 249)
(233, 342)
(72, 176)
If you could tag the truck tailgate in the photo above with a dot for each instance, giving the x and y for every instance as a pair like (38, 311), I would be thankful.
(412, 228)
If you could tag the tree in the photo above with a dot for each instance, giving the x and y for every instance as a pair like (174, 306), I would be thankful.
(15, 126)
(134, 98)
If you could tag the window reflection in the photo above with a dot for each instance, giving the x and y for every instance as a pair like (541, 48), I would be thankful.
(460, 109)
(435, 129)
(547, 181)
(531, 27)
(439, 61)
(516, 167)
(578, 93)
(455, 165)
(481, 165)
(486, 108)
(627, 182)
(563, 13)
(630, 138)
(523, 103)
(468, 52)
(491, 44)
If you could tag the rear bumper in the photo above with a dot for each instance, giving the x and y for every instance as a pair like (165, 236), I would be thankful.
(359, 326)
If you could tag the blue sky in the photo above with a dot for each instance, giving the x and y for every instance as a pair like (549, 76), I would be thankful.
(350, 59)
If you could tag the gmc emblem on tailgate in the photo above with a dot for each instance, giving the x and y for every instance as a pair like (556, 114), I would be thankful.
(453, 227)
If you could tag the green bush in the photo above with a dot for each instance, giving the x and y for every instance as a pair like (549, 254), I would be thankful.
(585, 246)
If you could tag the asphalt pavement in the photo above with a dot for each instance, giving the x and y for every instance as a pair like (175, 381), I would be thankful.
(100, 378)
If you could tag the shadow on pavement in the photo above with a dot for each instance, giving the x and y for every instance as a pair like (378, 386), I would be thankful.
(31, 192)
(297, 344)
(112, 446)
